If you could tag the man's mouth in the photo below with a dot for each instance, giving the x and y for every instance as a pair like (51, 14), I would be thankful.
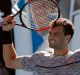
(52, 41)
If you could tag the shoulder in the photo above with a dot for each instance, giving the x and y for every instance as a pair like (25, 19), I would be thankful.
(40, 53)
(77, 52)
(76, 55)
(74, 52)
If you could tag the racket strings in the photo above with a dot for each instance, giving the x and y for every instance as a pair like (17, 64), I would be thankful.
(41, 13)
(42, 8)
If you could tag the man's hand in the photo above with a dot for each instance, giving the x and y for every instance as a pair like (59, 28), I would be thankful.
(8, 23)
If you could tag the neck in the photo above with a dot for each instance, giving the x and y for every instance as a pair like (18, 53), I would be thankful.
(60, 52)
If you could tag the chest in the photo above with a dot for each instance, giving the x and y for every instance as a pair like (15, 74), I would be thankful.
(48, 65)
(73, 69)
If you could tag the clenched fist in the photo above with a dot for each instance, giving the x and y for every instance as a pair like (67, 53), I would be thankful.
(8, 23)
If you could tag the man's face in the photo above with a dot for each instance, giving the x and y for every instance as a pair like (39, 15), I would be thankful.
(56, 38)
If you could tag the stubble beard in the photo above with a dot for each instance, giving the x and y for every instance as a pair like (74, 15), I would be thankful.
(57, 46)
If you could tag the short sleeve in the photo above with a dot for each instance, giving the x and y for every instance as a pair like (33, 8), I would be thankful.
(27, 63)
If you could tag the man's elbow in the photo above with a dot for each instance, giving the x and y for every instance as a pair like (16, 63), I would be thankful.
(8, 64)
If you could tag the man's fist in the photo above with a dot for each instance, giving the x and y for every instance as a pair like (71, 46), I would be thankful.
(8, 23)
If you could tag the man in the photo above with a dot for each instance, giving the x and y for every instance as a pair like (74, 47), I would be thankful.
(57, 62)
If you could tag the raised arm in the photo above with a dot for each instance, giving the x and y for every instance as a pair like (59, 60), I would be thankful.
(9, 53)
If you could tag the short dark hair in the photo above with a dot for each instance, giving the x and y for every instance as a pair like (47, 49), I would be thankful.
(66, 24)
(5, 7)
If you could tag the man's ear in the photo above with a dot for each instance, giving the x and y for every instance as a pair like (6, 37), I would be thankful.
(68, 38)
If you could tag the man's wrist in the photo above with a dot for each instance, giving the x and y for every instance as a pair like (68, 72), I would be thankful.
(6, 37)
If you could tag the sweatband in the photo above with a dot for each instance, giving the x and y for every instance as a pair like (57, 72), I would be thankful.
(6, 37)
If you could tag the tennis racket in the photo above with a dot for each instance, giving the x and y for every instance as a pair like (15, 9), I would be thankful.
(39, 12)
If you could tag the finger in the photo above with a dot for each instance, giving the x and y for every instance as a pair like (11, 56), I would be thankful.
(13, 22)
(8, 23)
(7, 20)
